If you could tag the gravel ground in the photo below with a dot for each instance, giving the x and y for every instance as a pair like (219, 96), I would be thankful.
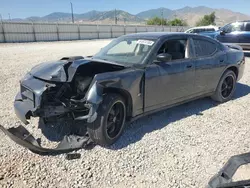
(180, 147)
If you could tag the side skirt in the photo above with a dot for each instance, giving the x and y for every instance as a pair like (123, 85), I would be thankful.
(170, 106)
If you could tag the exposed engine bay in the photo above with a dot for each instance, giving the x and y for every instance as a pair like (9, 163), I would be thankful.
(68, 99)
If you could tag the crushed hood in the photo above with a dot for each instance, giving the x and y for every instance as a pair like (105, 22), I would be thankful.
(53, 71)
(62, 70)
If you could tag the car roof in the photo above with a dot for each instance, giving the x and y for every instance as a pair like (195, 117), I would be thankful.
(242, 21)
(156, 35)
(204, 27)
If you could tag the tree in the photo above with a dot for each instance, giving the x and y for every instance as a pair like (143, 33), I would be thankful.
(177, 22)
(207, 20)
(156, 21)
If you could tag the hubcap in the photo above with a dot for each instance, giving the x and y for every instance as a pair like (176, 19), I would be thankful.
(227, 86)
(115, 119)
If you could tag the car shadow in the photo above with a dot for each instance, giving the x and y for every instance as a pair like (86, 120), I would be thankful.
(55, 131)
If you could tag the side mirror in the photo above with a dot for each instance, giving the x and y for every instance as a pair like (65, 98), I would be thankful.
(222, 32)
(164, 57)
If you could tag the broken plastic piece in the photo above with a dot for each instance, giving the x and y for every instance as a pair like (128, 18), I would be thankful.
(71, 156)
(22, 136)
(224, 177)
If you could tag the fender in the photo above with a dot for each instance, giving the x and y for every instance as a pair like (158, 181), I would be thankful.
(129, 80)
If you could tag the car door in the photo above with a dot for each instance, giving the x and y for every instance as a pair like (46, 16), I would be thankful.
(169, 82)
(231, 33)
(209, 63)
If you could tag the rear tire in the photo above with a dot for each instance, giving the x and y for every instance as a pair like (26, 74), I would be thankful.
(109, 125)
(226, 87)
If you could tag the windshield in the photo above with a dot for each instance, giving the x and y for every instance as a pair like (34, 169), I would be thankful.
(126, 50)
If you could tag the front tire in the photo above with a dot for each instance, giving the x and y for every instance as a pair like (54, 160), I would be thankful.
(226, 87)
(109, 125)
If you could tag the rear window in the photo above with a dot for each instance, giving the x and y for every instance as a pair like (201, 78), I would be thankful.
(247, 28)
(210, 29)
(204, 48)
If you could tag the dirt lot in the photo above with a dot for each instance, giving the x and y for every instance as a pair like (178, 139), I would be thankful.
(180, 147)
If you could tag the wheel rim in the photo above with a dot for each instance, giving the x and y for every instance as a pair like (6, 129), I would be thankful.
(115, 119)
(227, 86)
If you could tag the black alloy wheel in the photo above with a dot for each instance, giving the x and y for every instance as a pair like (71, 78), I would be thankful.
(227, 86)
(115, 119)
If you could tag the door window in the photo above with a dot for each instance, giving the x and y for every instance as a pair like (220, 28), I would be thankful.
(190, 31)
(204, 48)
(237, 26)
(178, 49)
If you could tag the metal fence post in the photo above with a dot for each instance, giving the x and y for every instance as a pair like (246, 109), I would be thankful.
(124, 29)
(57, 31)
(111, 31)
(136, 29)
(79, 34)
(97, 30)
(4, 38)
(34, 33)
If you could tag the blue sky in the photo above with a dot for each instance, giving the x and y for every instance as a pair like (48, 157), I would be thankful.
(26, 8)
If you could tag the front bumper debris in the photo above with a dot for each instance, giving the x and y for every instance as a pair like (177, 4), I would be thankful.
(23, 108)
(224, 177)
(22, 136)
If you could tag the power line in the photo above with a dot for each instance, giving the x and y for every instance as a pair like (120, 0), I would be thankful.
(72, 13)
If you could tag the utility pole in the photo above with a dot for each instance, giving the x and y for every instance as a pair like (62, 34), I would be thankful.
(1, 18)
(162, 17)
(175, 15)
(72, 13)
(9, 17)
(115, 17)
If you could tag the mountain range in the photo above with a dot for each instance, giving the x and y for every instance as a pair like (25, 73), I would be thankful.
(190, 14)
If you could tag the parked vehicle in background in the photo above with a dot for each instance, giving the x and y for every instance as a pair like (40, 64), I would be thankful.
(236, 33)
(210, 28)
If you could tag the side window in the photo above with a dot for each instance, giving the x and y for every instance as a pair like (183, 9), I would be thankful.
(210, 29)
(190, 31)
(247, 28)
(237, 26)
(178, 49)
(204, 48)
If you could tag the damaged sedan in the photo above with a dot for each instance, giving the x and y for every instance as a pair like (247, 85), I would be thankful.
(133, 76)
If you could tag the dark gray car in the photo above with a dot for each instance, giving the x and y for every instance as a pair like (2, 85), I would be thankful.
(135, 75)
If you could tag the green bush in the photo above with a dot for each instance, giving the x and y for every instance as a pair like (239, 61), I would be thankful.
(207, 20)
(156, 21)
(160, 21)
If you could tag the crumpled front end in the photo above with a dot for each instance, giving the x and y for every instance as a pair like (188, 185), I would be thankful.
(38, 98)
(28, 99)
(68, 92)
